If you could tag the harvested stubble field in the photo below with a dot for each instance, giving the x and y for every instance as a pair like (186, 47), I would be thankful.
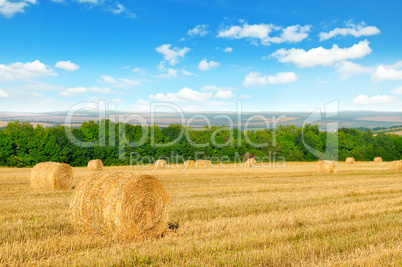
(227, 216)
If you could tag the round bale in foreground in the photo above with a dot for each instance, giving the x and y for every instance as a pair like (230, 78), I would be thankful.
(396, 165)
(121, 205)
(189, 163)
(377, 159)
(326, 166)
(52, 176)
(350, 160)
(95, 165)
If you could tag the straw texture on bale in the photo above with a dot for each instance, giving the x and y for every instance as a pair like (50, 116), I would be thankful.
(396, 165)
(95, 165)
(377, 159)
(326, 166)
(120, 205)
(250, 163)
(350, 160)
(203, 163)
(51, 176)
(189, 163)
(160, 163)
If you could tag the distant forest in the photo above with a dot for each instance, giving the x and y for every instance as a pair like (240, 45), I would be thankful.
(23, 145)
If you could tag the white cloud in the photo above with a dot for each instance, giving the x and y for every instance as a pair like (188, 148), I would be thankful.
(136, 70)
(200, 30)
(3, 94)
(320, 56)
(119, 9)
(378, 99)
(391, 72)
(228, 50)
(94, 2)
(291, 34)
(224, 94)
(67, 65)
(120, 82)
(10, 8)
(347, 69)
(397, 91)
(37, 94)
(187, 73)
(24, 71)
(172, 55)
(352, 29)
(71, 92)
(216, 88)
(205, 65)
(185, 94)
(255, 78)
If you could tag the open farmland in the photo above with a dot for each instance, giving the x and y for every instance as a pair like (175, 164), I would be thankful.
(226, 216)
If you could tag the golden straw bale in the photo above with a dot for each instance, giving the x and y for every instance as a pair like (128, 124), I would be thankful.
(95, 165)
(326, 166)
(377, 159)
(189, 163)
(250, 163)
(120, 205)
(160, 163)
(350, 160)
(396, 165)
(52, 176)
(203, 163)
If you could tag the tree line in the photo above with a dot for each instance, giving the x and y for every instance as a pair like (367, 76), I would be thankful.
(22, 145)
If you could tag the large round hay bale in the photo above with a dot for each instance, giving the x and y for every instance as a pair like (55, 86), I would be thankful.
(121, 205)
(326, 166)
(95, 165)
(396, 165)
(250, 163)
(350, 160)
(377, 159)
(204, 163)
(52, 176)
(189, 163)
(160, 163)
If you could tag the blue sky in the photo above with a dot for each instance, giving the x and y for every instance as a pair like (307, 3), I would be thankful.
(201, 55)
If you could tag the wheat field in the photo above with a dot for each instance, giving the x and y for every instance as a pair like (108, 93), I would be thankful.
(226, 216)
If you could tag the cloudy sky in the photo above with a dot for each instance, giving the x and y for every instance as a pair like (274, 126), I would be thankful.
(202, 55)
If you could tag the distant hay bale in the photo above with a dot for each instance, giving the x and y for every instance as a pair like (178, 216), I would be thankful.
(52, 176)
(160, 163)
(120, 205)
(189, 163)
(377, 159)
(326, 166)
(350, 160)
(203, 163)
(250, 163)
(95, 165)
(396, 165)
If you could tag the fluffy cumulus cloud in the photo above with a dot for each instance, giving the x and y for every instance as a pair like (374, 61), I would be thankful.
(3, 94)
(255, 78)
(320, 56)
(347, 69)
(224, 94)
(374, 100)
(228, 50)
(23, 71)
(10, 8)
(71, 92)
(172, 55)
(397, 91)
(205, 65)
(351, 29)
(185, 94)
(200, 30)
(388, 72)
(119, 82)
(291, 34)
(67, 65)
